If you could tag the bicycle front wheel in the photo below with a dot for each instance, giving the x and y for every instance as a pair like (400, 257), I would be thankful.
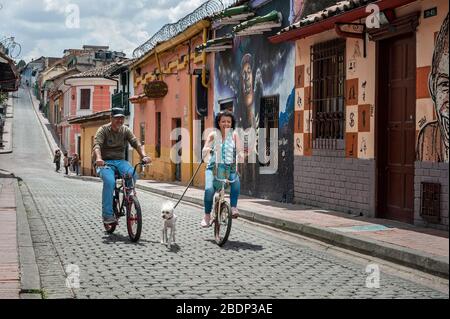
(222, 224)
(134, 219)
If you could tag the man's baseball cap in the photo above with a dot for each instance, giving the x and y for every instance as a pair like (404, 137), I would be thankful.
(117, 112)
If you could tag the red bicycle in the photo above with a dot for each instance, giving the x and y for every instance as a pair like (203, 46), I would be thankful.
(126, 203)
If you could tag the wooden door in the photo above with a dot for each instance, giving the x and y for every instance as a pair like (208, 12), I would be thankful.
(398, 140)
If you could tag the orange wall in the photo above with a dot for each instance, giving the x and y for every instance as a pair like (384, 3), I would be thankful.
(173, 105)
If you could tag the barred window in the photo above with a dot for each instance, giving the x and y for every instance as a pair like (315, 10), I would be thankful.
(328, 93)
(269, 109)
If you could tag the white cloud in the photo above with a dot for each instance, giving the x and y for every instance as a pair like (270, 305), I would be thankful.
(39, 25)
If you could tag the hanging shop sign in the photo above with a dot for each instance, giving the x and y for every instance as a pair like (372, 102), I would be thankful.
(156, 89)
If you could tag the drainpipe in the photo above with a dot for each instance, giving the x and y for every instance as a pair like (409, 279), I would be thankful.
(159, 66)
(191, 131)
(205, 39)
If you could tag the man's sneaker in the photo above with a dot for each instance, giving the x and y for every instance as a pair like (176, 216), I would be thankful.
(109, 220)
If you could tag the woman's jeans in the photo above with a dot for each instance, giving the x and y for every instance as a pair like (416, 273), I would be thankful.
(210, 190)
(107, 175)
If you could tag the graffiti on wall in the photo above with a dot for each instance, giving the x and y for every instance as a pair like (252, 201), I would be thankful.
(296, 10)
(254, 74)
(433, 140)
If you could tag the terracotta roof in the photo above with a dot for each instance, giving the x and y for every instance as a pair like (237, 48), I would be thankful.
(100, 72)
(104, 115)
(123, 65)
(338, 8)
(136, 99)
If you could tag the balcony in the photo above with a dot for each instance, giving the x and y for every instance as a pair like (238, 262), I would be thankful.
(120, 99)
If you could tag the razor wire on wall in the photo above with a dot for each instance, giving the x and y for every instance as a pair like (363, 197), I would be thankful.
(170, 30)
(11, 47)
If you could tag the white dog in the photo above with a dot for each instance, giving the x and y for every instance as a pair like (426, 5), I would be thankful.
(169, 223)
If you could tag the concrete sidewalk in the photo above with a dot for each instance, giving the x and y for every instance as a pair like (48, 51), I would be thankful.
(421, 248)
(19, 274)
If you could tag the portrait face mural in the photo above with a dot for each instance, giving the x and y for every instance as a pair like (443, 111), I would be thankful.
(439, 81)
(247, 80)
(433, 143)
(258, 77)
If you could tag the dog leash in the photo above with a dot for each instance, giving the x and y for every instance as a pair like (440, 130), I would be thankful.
(190, 182)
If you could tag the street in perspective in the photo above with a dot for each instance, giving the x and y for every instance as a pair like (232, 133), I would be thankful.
(224, 149)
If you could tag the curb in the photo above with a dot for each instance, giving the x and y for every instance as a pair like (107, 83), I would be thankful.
(431, 264)
(30, 283)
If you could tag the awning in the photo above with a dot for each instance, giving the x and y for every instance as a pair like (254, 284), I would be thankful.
(9, 78)
(259, 25)
(216, 45)
(232, 15)
(136, 99)
(343, 12)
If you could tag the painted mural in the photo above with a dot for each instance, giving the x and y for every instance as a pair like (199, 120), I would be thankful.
(433, 140)
(255, 69)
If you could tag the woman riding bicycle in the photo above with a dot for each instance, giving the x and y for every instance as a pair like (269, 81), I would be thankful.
(221, 145)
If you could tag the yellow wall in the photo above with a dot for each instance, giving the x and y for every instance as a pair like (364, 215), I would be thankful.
(87, 133)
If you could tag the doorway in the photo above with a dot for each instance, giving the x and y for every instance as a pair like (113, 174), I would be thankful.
(176, 124)
(396, 127)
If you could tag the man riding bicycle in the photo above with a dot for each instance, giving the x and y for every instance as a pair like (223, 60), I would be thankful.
(110, 144)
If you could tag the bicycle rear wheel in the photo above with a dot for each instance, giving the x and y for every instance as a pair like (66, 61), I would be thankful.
(134, 219)
(222, 224)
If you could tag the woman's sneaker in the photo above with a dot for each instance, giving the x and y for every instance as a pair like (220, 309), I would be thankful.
(205, 223)
(234, 212)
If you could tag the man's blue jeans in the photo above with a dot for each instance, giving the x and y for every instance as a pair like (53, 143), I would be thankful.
(107, 175)
(210, 190)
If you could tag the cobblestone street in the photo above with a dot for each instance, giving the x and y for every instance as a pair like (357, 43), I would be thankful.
(64, 216)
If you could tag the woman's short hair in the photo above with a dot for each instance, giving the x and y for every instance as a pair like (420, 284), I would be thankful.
(222, 114)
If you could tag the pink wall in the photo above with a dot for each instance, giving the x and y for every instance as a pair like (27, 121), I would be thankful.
(102, 98)
(175, 103)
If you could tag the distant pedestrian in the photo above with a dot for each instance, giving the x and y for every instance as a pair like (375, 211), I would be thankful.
(76, 164)
(57, 160)
(66, 163)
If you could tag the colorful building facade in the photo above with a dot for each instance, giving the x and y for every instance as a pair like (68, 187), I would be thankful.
(163, 123)
(255, 79)
(371, 109)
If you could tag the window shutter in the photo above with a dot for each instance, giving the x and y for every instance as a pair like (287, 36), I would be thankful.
(85, 99)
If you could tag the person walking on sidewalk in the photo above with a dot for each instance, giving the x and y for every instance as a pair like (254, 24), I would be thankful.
(221, 145)
(57, 160)
(110, 144)
(66, 162)
(76, 164)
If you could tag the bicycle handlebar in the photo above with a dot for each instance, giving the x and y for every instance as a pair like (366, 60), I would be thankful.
(226, 180)
(135, 166)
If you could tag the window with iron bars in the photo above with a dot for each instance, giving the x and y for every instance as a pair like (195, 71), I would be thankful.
(328, 94)
(269, 109)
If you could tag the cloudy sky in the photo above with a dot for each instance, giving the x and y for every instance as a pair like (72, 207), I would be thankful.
(47, 27)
